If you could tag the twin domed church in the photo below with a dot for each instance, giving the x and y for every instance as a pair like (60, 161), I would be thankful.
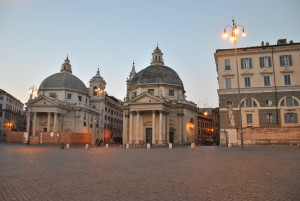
(155, 110)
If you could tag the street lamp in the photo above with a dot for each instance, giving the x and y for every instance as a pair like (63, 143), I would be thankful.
(234, 31)
(32, 91)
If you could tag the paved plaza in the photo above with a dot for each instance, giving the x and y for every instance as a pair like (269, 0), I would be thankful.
(43, 172)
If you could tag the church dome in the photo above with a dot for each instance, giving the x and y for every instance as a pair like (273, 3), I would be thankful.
(157, 74)
(64, 80)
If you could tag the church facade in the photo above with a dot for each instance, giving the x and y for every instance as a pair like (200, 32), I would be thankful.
(65, 104)
(155, 110)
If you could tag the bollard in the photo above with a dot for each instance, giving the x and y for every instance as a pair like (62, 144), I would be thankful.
(298, 144)
(229, 145)
(170, 145)
(62, 145)
(148, 146)
(68, 146)
(106, 146)
(87, 146)
(192, 145)
(127, 146)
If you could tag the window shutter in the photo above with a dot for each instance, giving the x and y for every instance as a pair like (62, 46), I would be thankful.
(242, 63)
(250, 62)
(261, 59)
(290, 60)
(270, 64)
(281, 60)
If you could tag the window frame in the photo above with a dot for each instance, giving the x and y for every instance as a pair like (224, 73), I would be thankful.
(227, 65)
(173, 92)
(290, 117)
(249, 118)
(269, 80)
(246, 63)
(285, 60)
(227, 86)
(285, 80)
(262, 61)
(246, 83)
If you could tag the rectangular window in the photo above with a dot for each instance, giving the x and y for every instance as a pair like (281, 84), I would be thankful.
(289, 101)
(52, 95)
(265, 62)
(248, 102)
(227, 64)
(285, 60)
(247, 81)
(171, 92)
(267, 81)
(290, 117)
(134, 94)
(79, 98)
(1, 97)
(0, 106)
(151, 91)
(69, 96)
(287, 79)
(246, 63)
(249, 119)
(270, 118)
(228, 83)
(0, 114)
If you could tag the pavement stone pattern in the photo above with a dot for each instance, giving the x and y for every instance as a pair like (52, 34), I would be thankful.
(44, 172)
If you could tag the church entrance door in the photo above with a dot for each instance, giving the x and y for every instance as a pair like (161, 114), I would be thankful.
(171, 137)
(148, 135)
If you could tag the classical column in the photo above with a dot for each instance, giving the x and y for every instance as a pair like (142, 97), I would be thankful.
(130, 128)
(153, 127)
(125, 131)
(137, 131)
(160, 137)
(34, 124)
(49, 121)
(180, 127)
(28, 122)
(168, 127)
(55, 122)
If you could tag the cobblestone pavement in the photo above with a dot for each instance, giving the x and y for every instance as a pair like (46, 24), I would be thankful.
(45, 172)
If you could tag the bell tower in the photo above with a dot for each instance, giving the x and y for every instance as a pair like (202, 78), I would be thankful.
(157, 57)
(97, 85)
(66, 67)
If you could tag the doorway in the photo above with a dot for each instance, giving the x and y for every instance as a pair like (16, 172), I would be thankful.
(148, 135)
(171, 137)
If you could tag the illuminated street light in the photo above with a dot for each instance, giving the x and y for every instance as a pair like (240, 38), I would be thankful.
(234, 29)
(32, 91)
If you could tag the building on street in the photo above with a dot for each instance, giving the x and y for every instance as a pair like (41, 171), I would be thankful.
(267, 101)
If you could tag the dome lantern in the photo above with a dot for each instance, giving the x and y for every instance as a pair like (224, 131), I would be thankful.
(157, 57)
(66, 66)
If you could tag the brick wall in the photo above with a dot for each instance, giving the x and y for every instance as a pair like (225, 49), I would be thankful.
(271, 135)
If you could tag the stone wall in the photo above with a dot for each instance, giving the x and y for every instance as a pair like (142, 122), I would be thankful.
(270, 135)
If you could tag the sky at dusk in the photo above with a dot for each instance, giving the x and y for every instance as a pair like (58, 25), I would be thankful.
(37, 35)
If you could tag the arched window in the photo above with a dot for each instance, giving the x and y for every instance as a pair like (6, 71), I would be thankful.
(192, 120)
(95, 91)
(289, 101)
(249, 102)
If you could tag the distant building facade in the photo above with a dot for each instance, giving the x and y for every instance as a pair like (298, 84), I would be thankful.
(65, 104)
(269, 92)
(12, 116)
(155, 110)
(208, 126)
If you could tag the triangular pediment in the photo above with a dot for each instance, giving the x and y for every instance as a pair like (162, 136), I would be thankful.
(146, 98)
(43, 100)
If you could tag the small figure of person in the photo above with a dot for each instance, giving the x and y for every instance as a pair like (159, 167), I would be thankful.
(97, 142)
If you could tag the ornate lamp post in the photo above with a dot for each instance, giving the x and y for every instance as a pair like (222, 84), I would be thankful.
(234, 31)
